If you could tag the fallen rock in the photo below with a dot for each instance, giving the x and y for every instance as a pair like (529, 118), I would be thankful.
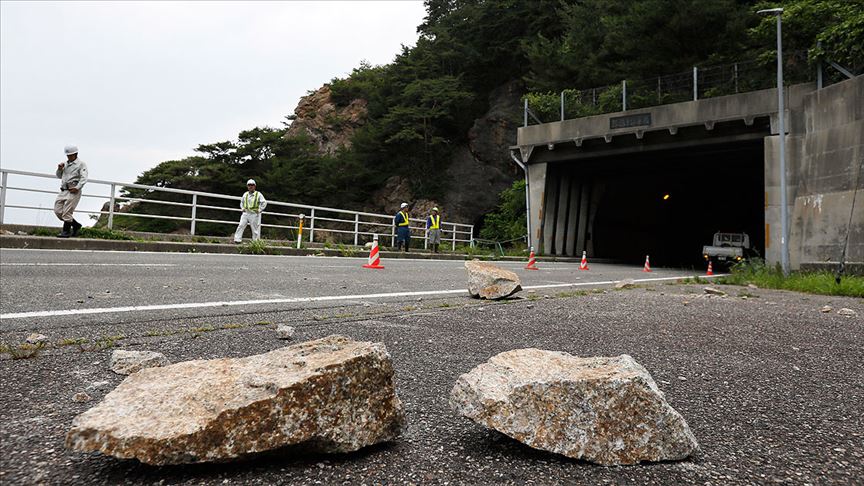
(604, 410)
(826, 309)
(752, 286)
(7, 232)
(625, 284)
(284, 332)
(713, 291)
(847, 312)
(81, 397)
(486, 281)
(127, 362)
(36, 338)
(330, 395)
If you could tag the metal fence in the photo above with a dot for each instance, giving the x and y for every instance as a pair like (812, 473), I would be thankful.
(354, 226)
(695, 84)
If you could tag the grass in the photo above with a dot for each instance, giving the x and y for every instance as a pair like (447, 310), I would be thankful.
(95, 233)
(256, 247)
(101, 343)
(764, 276)
(22, 351)
(202, 329)
(71, 341)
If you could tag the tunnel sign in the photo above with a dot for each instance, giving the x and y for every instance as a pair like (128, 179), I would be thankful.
(639, 120)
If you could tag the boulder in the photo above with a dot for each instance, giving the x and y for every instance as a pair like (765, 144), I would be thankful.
(847, 312)
(713, 291)
(127, 362)
(607, 410)
(625, 284)
(284, 331)
(36, 338)
(329, 395)
(486, 281)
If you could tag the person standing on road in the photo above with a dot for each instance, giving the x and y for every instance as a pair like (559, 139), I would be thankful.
(73, 176)
(403, 230)
(252, 203)
(433, 227)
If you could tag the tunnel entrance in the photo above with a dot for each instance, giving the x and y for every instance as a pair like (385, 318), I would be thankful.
(668, 204)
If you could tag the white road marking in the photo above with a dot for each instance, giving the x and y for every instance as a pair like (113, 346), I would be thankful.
(88, 264)
(298, 300)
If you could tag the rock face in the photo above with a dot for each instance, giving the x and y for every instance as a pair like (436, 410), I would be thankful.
(328, 126)
(331, 395)
(127, 362)
(604, 410)
(486, 281)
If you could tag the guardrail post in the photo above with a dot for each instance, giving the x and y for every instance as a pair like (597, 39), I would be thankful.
(3, 181)
(624, 95)
(312, 226)
(562, 105)
(735, 77)
(194, 213)
(426, 239)
(525, 113)
(356, 227)
(695, 83)
(393, 236)
(472, 235)
(111, 207)
(454, 237)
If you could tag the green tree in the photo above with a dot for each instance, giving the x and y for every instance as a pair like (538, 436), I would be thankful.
(507, 222)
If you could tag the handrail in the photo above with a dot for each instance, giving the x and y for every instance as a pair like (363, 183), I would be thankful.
(360, 225)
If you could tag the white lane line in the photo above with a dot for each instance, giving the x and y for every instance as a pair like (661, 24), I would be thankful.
(297, 300)
(88, 264)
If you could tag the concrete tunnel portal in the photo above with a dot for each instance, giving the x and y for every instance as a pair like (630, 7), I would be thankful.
(665, 203)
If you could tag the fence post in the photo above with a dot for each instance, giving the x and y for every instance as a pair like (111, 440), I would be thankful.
(594, 96)
(819, 68)
(111, 208)
(454, 236)
(356, 227)
(659, 94)
(525, 113)
(624, 95)
(472, 235)
(194, 213)
(735, 77)
(393, 235)
(695, 83)
(312, 226)
(426, 239)
(562, 105)
(3, 181)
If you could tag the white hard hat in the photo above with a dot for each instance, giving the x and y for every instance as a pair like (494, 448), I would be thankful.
(251, 181)
(70, 150)
(435, 208)
(403, 205)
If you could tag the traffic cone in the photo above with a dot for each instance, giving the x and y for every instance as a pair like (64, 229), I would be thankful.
(374, 258)
(710, 270)
(647, 267)
(532, 263)
(584, 264)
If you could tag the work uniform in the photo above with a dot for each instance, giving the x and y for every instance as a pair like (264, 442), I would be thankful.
(252, 204)
(73, 174)
(403, 231)
(433, 227)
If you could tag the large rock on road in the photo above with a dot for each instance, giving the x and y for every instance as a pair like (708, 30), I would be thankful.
(330, 395)
(604, 410)
(486, 281)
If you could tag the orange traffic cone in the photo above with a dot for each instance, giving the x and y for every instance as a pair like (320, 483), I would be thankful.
(584, 264)
(374, 258)
(710, 270)
(532, 263)
(647, 267)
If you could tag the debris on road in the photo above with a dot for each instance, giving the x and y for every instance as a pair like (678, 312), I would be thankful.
(625, 284)
(630, 421)
(826, 309)
(81, 397)
(713, 291)
(125, 362)
(333, 395)
(284, 331)
(36, 338)
(847, 312)
(486, 281)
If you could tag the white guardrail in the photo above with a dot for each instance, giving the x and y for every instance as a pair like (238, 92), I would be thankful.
(313, 221)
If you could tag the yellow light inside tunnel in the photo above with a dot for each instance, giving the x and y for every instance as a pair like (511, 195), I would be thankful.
(665, 197)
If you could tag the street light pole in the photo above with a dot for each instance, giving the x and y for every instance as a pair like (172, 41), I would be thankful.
(781, 116)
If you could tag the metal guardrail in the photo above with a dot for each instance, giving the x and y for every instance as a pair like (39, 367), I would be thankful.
(360, 224)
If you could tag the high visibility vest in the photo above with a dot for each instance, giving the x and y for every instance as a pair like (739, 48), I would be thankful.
(436, 221)
(405, 221)
(250, 205)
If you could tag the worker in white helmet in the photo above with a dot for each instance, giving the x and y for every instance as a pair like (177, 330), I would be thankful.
(73, 176)
(433, 230)
(252, 203)
(403, 229)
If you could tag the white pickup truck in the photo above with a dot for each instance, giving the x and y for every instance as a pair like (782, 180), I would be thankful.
(728, 248)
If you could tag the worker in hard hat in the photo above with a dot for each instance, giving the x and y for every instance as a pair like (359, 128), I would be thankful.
(433, 230)
(73, 176)
(252, 203)
(403, 230)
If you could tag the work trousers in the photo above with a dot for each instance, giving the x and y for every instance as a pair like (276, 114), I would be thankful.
(251, 219)
(65, 205)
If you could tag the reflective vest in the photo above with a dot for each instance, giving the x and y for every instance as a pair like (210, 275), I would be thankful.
(250, 205)
(436, 221)
(405, 221)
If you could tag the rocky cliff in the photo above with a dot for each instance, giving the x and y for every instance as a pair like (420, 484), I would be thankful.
(477, 172)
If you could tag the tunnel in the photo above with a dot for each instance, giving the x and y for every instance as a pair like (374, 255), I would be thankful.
(662, 203)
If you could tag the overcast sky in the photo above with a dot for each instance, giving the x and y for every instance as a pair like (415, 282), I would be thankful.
(136, 83)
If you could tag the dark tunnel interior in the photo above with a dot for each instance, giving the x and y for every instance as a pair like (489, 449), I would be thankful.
(668, 204)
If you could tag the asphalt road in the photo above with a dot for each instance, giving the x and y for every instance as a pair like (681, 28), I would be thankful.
(771, 387)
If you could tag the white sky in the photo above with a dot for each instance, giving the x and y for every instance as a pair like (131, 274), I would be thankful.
(135, 83)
